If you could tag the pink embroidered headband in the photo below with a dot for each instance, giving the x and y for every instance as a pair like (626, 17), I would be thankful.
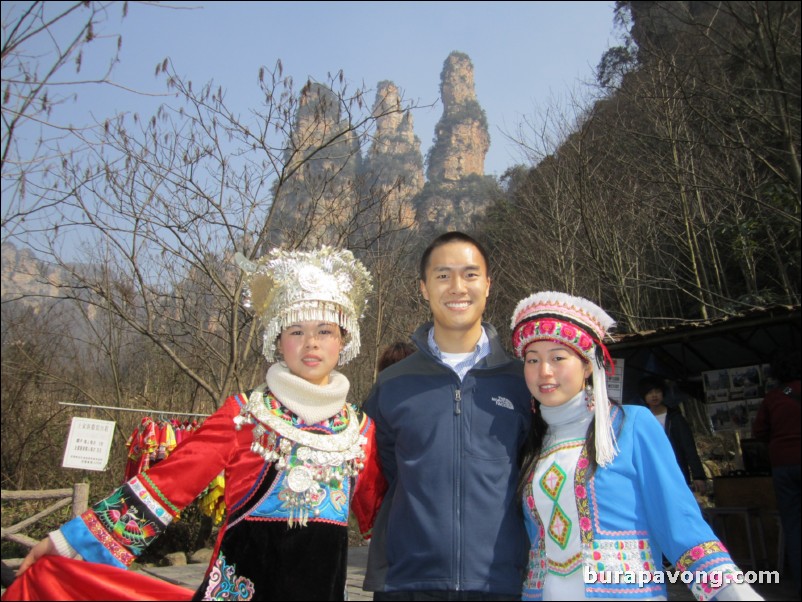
(581, 326)
(572, 321)
(563, 330)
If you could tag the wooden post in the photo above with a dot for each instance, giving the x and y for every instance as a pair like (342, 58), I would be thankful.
(80, 498)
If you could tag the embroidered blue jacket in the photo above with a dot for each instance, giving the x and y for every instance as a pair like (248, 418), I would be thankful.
(631, 512)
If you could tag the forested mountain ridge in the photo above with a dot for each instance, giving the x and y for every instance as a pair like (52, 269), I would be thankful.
(676, 194)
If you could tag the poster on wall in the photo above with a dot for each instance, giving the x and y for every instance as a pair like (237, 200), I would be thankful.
(745, 382)
(719, 414)
(752, 406)
(733, 396)
(717, 385)
(729, 415)
(769, 382)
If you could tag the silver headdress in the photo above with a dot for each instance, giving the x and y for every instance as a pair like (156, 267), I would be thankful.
(284, 287)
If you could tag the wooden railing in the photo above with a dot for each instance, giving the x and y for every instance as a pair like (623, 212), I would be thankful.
(78, 496)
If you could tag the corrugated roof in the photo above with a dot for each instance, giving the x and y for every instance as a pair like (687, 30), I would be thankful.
(762, 316)
(681, 353)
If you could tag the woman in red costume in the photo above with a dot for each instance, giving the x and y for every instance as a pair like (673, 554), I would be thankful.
(297, 458)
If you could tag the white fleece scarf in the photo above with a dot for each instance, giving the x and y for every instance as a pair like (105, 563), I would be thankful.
(312, 403)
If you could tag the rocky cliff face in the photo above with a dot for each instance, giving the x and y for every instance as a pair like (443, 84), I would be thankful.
(462, 140)
(457, 193)
(25, 275)
(328, 191)
(316, 201)
(331, 191)
(393, 169)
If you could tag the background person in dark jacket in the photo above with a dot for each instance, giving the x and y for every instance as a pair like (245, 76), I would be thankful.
(778, 422)
(450, 419)
(652, 390)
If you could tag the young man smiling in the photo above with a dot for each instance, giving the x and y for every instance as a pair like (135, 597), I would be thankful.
(450, 420)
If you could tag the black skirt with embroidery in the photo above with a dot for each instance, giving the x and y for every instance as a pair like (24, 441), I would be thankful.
(269, 560)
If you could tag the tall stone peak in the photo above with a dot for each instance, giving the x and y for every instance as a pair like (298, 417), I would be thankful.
(387, 107)
(457, 192)
(331, 189)
(394, 164)
(317, 104)
(461, 136)
(319, 125)
(457, 84)
(317, 198)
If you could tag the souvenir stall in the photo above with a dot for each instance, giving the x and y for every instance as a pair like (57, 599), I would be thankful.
(719, 371)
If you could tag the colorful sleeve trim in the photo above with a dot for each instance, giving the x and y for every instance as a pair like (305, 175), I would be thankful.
(118, 529)
(164, 516)
(92, 544)
(708, 557)
(107, 540)
(152, 486)
(709, 589)
(703, 552)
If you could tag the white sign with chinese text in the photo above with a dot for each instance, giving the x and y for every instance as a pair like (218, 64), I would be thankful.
(615, 383)
(88, 444)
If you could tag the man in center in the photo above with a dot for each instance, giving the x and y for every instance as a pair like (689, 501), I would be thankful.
(450, 420)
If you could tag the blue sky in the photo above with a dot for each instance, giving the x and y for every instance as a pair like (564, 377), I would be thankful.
(524, 53)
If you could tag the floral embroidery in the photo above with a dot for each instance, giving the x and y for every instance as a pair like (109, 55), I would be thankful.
(563, 569)
(535, 572)
(705, 591)
(582, 505)
(707, 548)
(621, 554)
(536, 566)
(126, 522)
(551, 329)
(106, 539)
(585, 342)
(225, 585)
(568, 331)
(546, 326)
(338, 499)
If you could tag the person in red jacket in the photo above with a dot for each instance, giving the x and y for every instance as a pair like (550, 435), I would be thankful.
(297, 458)
(778, 422)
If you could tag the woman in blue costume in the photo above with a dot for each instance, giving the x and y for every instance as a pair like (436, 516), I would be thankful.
(297, 458)
(601, 504)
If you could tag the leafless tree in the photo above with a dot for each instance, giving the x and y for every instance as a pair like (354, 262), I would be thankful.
(43, 50)
(679, 180)
(161, 205)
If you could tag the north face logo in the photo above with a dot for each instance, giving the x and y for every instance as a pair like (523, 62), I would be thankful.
(504, 402)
